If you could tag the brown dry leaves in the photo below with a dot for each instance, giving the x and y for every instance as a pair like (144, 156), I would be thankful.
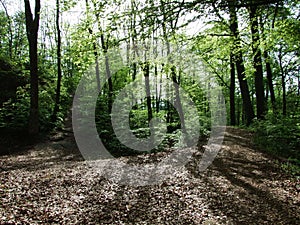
(45, 186)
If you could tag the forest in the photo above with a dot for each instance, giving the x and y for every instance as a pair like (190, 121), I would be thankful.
(136, 82)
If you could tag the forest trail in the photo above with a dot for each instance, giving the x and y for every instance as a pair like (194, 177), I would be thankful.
(51, 184)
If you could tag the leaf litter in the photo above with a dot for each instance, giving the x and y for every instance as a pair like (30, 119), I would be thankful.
(51, 184)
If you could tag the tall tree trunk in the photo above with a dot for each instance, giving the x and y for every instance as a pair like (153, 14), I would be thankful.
(239, 109)
(10, 41)
(283, 85)
(110, 83)
(134, 72)
(257, 63)
(165, 37)
(18, 42)
(157, 91)
(160, 91)
(267, 61)
(148, 93)
(59, 72)
(133, 38)
(97, 65)
(177, 97)
(298, 85)
(283, 94)
(97, 70)
(270, 80)
(32, 26)
(238, 57)
(232, 91)
(104, 44)
(107, 71)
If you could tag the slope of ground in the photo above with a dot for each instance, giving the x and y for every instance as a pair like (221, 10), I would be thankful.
(51, 184)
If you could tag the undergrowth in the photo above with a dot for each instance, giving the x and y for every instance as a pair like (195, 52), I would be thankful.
(280, 136)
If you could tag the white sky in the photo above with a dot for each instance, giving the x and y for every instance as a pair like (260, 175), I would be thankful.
(74, 15)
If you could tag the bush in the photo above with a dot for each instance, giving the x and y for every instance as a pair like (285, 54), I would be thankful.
(15, 112)
(279, 136)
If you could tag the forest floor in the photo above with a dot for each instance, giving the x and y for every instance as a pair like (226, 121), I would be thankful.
(49, 183)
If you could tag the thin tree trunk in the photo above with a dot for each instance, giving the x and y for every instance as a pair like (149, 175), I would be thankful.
(97, 66)
(283, 85)
(134, 71)
(267, 60)
(133, 39)
(257, 63)
(97, 70)
(110, 83)
(238, 112)
(157, 97)
(59, 72)
(267, 94)
(248, 108)
(298, 85)
(18, 42)
(32, 26)
(148, 93)
(104, 44)
(10, 41)
(108, 72)
(232, 91)
(283, 94)
(178, 99)
(165, 36)
(270, 80)
(160, 91)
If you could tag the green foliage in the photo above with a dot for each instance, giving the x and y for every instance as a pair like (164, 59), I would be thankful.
(106, 132)
(14, 113)
(279, 136)
(291, 167)
(14, 98)
(144, 24)
(138, 121)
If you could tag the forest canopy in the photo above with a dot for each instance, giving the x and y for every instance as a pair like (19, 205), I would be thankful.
(249, 50)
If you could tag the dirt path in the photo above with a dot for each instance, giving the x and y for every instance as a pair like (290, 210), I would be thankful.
(50, 184)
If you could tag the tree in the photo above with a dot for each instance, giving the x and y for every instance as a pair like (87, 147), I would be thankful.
(32, 26)
(105, 45)
(95, 46)
(19, 40)
(268, 59)
(59, 71)
(257, 63)
(238, 57)
(10, 41)
(232, 91)
(148, 93)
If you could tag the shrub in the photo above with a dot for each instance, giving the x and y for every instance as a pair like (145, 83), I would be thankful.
(279, 136)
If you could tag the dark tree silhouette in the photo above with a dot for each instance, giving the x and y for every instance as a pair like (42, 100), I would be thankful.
(32, 27)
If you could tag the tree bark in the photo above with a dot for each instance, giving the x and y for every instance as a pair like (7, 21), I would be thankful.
(238, 57)
(157, 89)
(59, 72)
(232, 91)
(178, 104)
(148, 92)
(97, 70)
(257, 64)
(270, 80)
(108, 72)
(133, 38)
(32, 26)
(283, 85)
